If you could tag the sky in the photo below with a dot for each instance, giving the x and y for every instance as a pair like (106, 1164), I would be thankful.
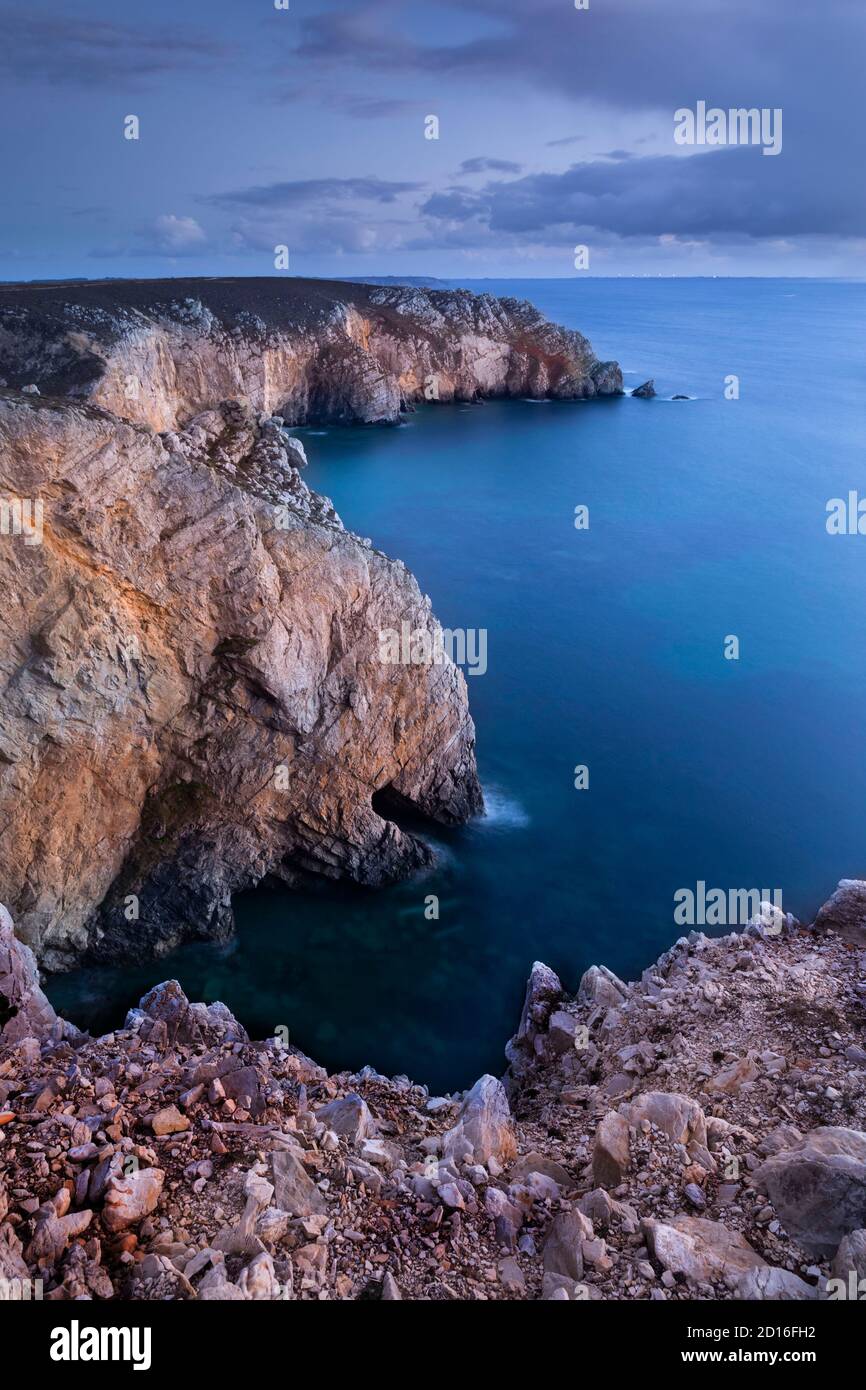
(307, 127)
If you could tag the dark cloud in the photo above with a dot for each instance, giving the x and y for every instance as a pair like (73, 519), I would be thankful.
(304, 192)
(564, 140)
(718, 193)
(375, 108)
(482, 165)
(77, 52)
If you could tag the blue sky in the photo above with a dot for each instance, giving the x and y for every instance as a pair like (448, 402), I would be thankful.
(306, 127)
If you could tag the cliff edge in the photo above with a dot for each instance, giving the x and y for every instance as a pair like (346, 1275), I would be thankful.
(311, 351)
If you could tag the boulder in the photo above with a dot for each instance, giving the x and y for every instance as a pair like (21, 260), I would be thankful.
(770, 1283)
(610, 1150)
(543, 992)
(601, 987)
(165, 1017)
(24, 1009)
(537, 1163)
(563, 1247)
(349, 1117)
(845, 912)
(850, 1257)
(565, 1032)
(818, 1187)
(702, 1251)
(484, 1126)
(645, 391)
(169, 1120)
(680, 1118)
(294, 1189)
(131, 1197)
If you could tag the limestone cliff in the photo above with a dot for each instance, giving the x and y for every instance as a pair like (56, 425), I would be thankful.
(192, 695)
(160, 352)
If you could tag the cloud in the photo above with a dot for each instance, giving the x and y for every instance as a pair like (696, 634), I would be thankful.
(482, 165)
(176, 235)
(713, 194)
(84, 53)
(294, 193)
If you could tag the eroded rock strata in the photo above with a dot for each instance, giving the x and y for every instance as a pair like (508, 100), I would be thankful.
(697, 1134)
(193, 695)
(160, 352)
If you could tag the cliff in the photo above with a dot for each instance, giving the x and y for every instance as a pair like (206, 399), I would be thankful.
(698, 1134)
(192, 695)
(159, 352)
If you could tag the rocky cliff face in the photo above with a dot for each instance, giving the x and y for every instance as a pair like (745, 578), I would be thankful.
(192, 690)
(698, 1134)
(160, 352)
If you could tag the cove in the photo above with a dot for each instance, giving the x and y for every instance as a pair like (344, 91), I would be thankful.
(605, 649)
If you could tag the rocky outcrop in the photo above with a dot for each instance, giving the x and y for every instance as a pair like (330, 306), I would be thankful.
(192, 689)
(175, 1158)
(161, 352)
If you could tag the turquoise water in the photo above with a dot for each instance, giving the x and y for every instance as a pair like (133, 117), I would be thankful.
(605, 648)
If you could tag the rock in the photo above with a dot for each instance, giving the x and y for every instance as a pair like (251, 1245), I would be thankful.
(511, 1276)
(261, 592)
(850, 1257)
(645, 391)
(562, 1253)
(564, 1032)
(680, 1118)
(818, 1187)
(294, 1190)
(165, 1017)
(601, 987)
(169, 1120)
(54, 1230)
(390, 1289)
(703, 1251)
(25, 1010)
(258, 1280)
(484, 1127)
(845, 912)
(543, 991)
(538, 1163)
(611, 1150)
(131, 1197)
(732, 1078)
(349, 1117)
(603, 1210)
(776, 1284)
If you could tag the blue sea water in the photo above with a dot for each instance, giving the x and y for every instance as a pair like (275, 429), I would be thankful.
(605, 648)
